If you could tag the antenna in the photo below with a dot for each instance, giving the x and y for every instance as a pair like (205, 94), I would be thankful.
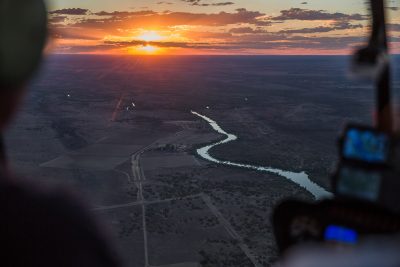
(379, 40)
(373, 62)
(378, 43)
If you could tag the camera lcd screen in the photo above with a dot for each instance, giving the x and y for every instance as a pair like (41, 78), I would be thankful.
(339, 234)
(366, 146)
(359, 183)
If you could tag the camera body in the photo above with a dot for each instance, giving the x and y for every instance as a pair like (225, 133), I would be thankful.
(365, 146)
(367, 169)
(366, 200)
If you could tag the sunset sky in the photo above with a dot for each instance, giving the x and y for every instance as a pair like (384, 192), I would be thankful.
(186, 27)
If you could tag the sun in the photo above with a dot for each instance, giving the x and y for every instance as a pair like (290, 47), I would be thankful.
(150, 36)
(149, 45)
(149, 49)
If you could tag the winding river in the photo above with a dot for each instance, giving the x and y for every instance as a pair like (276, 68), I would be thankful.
(301, 179)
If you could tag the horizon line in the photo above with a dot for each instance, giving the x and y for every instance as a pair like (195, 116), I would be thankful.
(201, 55)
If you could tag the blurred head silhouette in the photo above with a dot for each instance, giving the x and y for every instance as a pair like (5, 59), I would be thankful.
(23, 31)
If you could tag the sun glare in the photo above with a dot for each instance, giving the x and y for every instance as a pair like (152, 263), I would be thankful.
(150, 36)
(149, 49)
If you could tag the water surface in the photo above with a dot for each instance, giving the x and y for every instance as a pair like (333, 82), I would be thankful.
(301, 178)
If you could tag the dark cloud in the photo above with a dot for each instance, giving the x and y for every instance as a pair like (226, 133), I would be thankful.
(193, 45)
(393, 5)
(192, 2)
(67, 49)
(307, 14)
(319, 29)
(70, 11)
(57, 19)
(394, 27)
(341, 25)
(326, 43)
(267, 41)
(247, 30)
(223, 4)
(158, 44)
(271, 42)
(59, 31)
(196, 35)
(200, 3)
(303, 3)
(123, 14)
(148, 19)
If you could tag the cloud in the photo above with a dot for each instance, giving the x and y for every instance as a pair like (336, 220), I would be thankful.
(148, 19)
(273, 43)
(70, 11)
(241, 29)
(393, 27)
(198, 35)
(307, 14)
(123, 14)
(192, 2)
(57, 19)
(247, 30)
(223, 4)
(264, 43)
(200, 3)
(158, 44)
(59, 31)
(340, 25)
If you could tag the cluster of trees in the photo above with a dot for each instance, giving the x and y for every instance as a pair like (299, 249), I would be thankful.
(223, 253)
(130, 224)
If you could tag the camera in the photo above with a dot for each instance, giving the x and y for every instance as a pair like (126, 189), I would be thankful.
(367, 169)
(365, 203)
(366, 147)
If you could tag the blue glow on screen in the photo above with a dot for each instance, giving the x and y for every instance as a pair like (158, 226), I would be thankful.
(359, 183)
(366, 146)
(340, 234)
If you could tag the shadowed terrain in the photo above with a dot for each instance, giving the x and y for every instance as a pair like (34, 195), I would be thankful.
(118, 130)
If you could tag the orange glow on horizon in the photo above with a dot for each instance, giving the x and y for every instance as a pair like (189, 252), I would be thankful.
(148, 48)
(143, 50)
(155, 42)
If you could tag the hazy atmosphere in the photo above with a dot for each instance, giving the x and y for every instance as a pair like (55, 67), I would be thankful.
(213, 27)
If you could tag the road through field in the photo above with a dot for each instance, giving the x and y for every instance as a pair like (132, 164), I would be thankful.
(138, 179)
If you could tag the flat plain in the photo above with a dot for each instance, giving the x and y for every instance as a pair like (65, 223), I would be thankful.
(119, 132)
